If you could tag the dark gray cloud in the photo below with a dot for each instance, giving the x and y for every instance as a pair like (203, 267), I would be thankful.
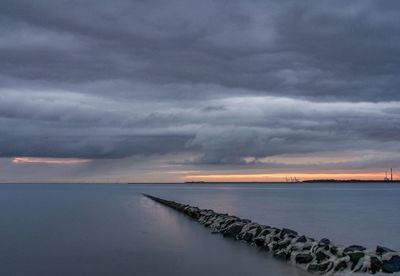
(324, 51)
(223, 81)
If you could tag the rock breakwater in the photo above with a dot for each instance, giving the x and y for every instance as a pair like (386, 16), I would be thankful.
(320, 257)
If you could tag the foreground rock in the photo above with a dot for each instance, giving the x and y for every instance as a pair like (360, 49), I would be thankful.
(321, 257)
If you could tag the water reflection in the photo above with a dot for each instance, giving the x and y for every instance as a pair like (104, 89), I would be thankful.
(113, 230)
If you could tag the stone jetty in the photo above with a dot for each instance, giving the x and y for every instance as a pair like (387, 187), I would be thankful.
(320, 257)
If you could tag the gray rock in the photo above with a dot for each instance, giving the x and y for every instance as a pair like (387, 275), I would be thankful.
(355, 257)
(325, 241)
(341, 266)
(302, 239)
(248, 236)
(260, 240)
(274, 246)
(265, 232)
(304, 258)
(321, 256)
(380, 250)
(233, 230)
(376, 265)
(228, 222)
(276, 239)
(333, 250)
(282, 245)
(392, 265)
(286, 231)
(252, 233)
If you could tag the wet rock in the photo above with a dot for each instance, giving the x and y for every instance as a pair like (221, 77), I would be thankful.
(380, 250)
(193, 212)
(302, 239)
(341, 266)
(323, 267)
(209, 222)
(226, 224)
(376, 265)
(321, 256)
(304, 258)
(283, 244)
(247, 237)
(260, 240)
(233, 230)
(334, 250)
(392, 265)
(355, 257)
(325, 241)
(274, 246)
(265, 232)
(246, 229)
(251, 234)
(286, 231)
(354, 248)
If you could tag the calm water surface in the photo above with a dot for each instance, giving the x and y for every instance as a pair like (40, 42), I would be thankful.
(113, 230)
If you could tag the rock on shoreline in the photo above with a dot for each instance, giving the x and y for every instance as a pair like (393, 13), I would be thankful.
(321, 257)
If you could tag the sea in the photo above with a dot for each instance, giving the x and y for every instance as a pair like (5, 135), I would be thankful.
(112, 229)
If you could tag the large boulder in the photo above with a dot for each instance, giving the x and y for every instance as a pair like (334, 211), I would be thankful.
(321, 256)
(334, 250)
(392, 265)
(375, 265)
(304, 258)
(260, 240)
(302, 239)
(355, 257)
(265, 231)
(228, 222)
(325, 241)
(278, 245)
(251, 234)
(380, 250)
(193, 212)
(342, 265)
(247, 228)
(233, 230)
(288, 232)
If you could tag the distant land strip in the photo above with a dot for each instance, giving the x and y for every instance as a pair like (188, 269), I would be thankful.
(320, 257)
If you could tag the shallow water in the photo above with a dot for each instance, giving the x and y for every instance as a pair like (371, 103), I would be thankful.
(114, 230)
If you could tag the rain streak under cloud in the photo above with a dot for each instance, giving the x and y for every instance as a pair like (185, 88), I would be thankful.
(191, 90)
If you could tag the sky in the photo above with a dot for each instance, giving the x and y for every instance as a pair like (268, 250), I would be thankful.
(172, 91)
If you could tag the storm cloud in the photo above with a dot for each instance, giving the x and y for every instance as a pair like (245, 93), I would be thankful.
(226, 84)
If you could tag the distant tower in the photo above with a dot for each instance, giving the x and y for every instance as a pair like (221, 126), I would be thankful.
(386, 177)
(391, 174)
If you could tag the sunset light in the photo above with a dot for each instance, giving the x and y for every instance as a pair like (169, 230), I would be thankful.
(282, 177)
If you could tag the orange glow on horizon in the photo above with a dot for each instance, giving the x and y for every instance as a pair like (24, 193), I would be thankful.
(282, 176)
(56, 161)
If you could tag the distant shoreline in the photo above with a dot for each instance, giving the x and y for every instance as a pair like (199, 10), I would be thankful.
(283, 182)
(316, 181)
